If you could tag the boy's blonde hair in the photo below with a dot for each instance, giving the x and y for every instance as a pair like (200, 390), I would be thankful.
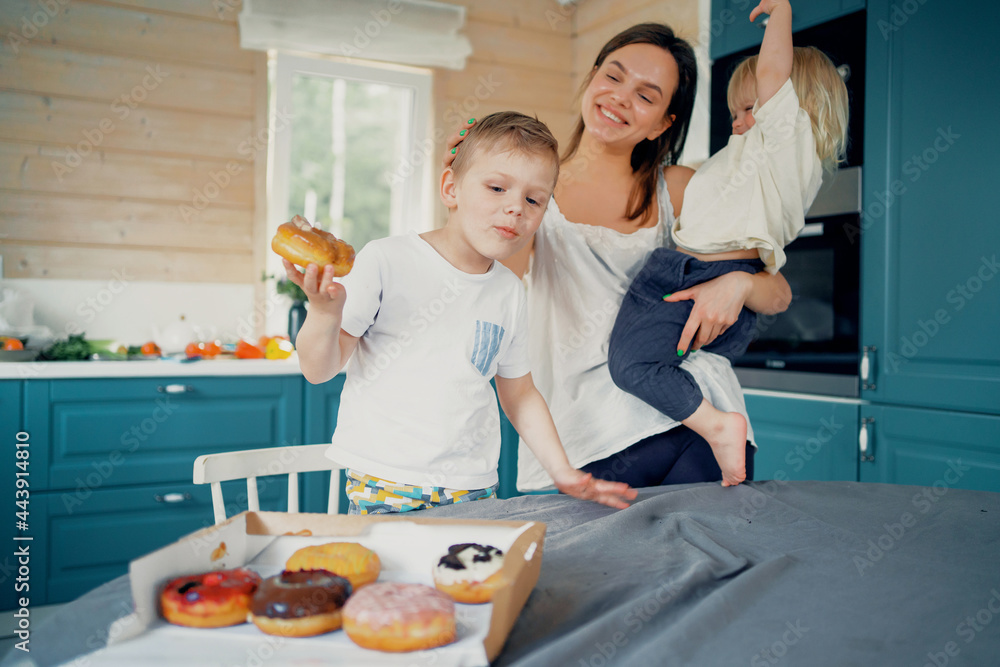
(511, 131)
(821, 92)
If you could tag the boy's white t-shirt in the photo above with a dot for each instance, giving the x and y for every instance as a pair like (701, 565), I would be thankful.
(417, 406)
(755, 192)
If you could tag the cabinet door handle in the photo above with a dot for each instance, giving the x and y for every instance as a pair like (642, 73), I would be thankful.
(172, 498)
(175, 389)
(867, 369)
(866, 444)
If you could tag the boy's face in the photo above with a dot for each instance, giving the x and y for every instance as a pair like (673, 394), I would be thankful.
(498, 203)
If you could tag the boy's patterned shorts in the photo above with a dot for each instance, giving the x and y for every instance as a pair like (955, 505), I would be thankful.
(372, 495)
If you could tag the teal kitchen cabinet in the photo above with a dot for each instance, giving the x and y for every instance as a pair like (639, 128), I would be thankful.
(10, 407)
(321, 403)
(111, 465)
(804, 439)
(87, 538)
(508, 459)
(931, 448)
(731, 31)
(119, 431)
(929, 232)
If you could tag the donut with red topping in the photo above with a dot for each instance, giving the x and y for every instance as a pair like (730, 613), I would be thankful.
(209, 600)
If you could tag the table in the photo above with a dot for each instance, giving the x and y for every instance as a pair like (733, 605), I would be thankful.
(766, 573)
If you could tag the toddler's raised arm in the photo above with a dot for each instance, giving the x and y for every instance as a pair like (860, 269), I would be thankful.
(774, 65)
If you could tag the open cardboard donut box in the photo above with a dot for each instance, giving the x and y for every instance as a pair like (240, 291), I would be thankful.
(408, 549)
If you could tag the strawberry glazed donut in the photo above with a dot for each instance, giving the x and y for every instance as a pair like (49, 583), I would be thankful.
(397, 617)
(209, 600)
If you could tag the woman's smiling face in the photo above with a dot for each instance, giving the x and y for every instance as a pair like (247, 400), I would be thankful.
(626, 100)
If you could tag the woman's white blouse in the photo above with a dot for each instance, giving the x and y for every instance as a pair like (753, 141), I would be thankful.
(577, 279)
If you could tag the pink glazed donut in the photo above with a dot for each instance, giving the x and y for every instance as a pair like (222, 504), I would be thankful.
(393, 616)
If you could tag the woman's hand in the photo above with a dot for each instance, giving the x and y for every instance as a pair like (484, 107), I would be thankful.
(451, 145)
(583, 486)
(717, 305)
(326, 297)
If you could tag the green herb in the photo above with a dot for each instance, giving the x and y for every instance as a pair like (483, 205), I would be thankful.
(75, 348)
(290, 289)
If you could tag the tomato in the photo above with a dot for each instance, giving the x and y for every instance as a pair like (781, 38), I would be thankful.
(245, 350)
(210, 349)
(12, 344)
(150, 349)
(194, 350)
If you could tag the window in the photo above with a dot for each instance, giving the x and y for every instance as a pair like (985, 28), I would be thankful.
(350, 149)
(351, 152)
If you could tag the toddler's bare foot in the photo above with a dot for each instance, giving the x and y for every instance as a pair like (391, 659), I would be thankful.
(729, 444)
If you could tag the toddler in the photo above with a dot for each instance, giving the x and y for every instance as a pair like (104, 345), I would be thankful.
(740, 209)
(425, 321)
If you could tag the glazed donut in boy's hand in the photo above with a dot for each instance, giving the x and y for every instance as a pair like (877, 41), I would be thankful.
(301, 243)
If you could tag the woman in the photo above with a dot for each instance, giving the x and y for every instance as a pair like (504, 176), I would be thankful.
(614, 203)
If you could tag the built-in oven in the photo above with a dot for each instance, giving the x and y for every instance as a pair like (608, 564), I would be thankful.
(813, 347)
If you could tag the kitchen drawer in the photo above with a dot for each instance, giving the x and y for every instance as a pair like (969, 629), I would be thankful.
(82, 542)
(99, 433)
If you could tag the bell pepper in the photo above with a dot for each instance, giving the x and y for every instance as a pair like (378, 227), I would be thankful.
(245, 350)
(278, 348)
(12, 344)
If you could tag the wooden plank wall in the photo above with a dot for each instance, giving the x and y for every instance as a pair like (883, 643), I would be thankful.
(128, 127)
(128, 139)
(522, 60)
(597, 21)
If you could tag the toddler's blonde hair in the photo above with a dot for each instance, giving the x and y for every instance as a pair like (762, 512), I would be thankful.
(821, 92)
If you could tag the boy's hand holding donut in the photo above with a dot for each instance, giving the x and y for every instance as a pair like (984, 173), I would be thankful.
(322, 255)
(326, 297)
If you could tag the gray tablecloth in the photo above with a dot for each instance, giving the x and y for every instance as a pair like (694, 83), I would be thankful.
(764, 574)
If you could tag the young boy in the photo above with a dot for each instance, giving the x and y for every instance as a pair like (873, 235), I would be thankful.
(426, 321)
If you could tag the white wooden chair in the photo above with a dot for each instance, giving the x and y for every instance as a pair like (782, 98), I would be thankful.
(250, 464)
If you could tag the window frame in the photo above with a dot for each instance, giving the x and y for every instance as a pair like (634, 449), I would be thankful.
(416, 197)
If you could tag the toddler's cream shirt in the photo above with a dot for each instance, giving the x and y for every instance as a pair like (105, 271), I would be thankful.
(755, 192)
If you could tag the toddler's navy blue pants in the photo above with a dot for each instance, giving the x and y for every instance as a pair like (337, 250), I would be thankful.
(642, 353)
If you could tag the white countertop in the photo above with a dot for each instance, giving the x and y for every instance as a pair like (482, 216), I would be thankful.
(41, 370)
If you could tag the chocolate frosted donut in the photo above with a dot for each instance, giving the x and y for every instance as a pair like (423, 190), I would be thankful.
(300, 604)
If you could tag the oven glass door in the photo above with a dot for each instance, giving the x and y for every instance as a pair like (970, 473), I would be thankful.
(819, 331)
